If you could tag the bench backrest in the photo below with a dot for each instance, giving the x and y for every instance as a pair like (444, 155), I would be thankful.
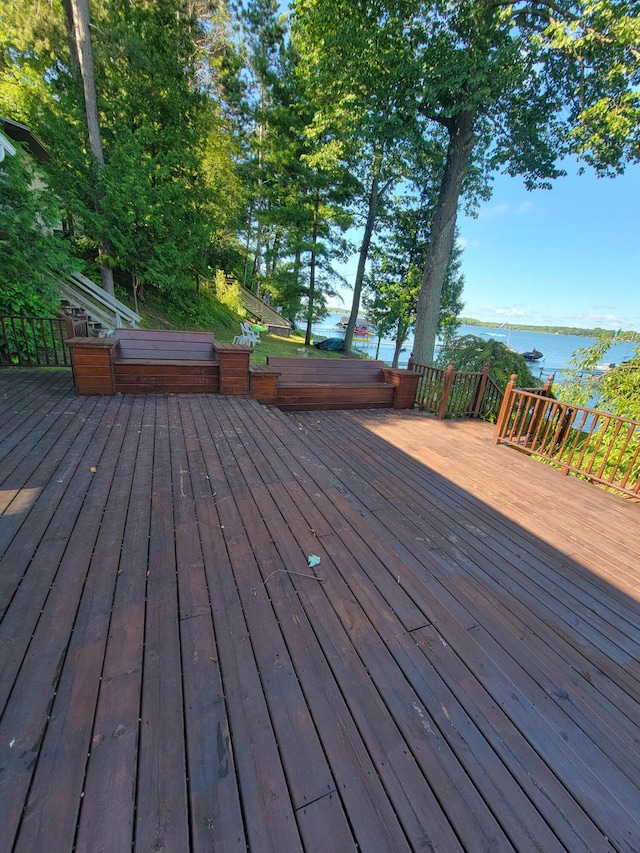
(339, 370)
(163, 345)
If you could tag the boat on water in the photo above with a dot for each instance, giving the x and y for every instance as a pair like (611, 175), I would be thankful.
(363, 327)
(532, 355)
(599, 369)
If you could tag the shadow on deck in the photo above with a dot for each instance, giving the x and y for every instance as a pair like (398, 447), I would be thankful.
(460, 671)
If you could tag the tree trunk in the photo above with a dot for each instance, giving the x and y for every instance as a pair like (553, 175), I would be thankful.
(71, 39)
(257, 261)
(246, 282)
(374, 203)
(312, 269)
(401, 337)
(443, 229)
(82, 38)
(275, 250)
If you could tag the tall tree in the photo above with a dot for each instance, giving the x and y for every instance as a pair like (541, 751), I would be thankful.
(158, 208)
(157, 203)
(362, 106)
(513, 86)
(297, 179)
(394, 281)
(84, 53)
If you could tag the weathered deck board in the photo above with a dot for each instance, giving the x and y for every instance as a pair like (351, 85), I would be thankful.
(557, 796)
(460, 672)
(58, 779)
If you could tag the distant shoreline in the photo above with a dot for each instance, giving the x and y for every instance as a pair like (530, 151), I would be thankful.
(633, 337)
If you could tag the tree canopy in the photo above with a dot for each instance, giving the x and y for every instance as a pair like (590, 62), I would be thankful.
(239, 138)
(516, 87)
(31, 255)
(471, 352)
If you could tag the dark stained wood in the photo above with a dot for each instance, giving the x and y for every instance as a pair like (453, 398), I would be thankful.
(142, 345)
(108, 808)
(144, 361)
(164, 362)
(58, 780)
(263, 383)
(351, 371)
(459, 672)
(295, 384)
(92, 363)
(161, 807)
(234, 367)
(185, 377)
(406, 385)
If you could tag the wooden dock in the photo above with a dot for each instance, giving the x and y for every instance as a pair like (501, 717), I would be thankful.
(460, 671)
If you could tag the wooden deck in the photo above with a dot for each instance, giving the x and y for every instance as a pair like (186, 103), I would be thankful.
(460, 672)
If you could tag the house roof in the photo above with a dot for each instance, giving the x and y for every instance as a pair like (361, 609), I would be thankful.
(21, 133)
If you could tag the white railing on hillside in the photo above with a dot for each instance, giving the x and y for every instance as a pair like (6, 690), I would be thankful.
(97, 302)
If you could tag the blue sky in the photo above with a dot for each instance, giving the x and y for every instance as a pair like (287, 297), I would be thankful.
(569, 255)
(565, 256)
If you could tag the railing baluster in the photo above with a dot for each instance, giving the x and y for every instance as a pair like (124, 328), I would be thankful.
(33, 341)
(578, 439)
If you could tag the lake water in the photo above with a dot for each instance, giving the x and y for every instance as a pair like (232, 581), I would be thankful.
(557, 349)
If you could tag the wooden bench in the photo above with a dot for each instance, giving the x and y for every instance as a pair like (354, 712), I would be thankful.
(314, 383)
(151, 361)
(143, 361)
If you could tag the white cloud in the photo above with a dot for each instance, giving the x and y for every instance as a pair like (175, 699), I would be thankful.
(463, 243)
(511, 312)
(505, 209)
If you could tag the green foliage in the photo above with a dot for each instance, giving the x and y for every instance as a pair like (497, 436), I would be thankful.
(470, 352)
(156, 126)
(617, 391)
(601, 42)
(394, 282)
(513, 88)
(184, 308)
(31, 254)
(620, 389)
(169, 194)
(253, 151)
(227, 291)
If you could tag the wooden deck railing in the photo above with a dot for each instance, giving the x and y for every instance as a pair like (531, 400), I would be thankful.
(601, 447)
(461, 394)
(35, 341)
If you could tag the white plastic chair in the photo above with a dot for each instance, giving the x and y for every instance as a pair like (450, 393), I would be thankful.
(247, 336)
(250, 333)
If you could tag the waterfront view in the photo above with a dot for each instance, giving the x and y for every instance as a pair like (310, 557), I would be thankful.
(557, 349)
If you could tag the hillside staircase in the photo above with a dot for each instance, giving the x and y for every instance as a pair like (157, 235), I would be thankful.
(263, 312)
(79, 295)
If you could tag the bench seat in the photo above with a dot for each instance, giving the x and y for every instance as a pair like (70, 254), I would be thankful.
(317, 384)
(165, 362)
(147, 361)
(321, 396)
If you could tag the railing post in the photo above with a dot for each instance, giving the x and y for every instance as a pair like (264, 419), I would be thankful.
(446, 389)
(505, 408)
(482, 385)
(546, 388)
